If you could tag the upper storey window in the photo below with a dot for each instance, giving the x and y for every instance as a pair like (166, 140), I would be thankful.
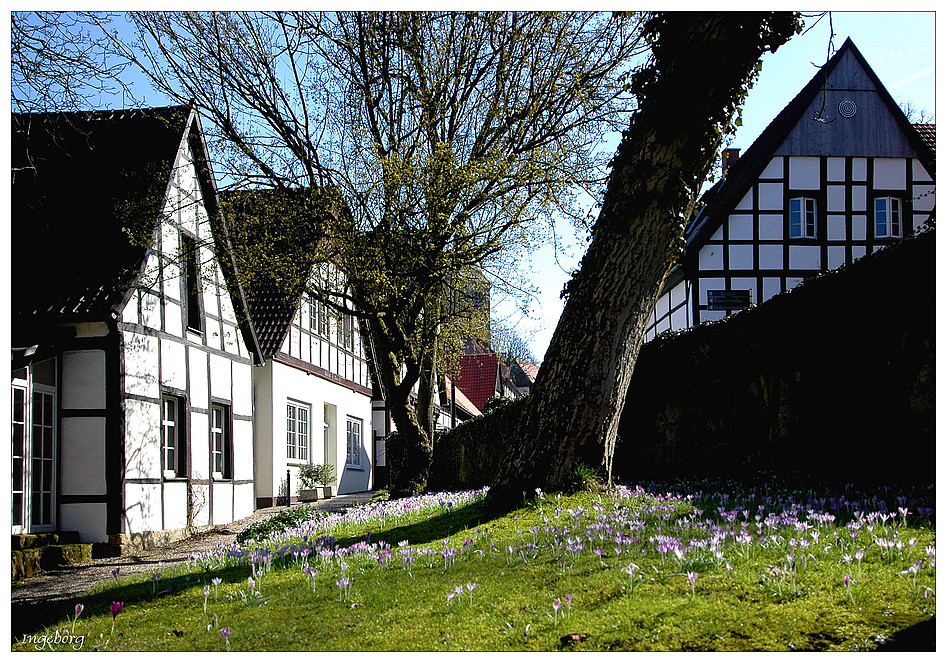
(887, 217)
(802, 218)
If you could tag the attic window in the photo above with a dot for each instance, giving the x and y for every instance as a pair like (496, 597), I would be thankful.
(192, 285)
(802, 218)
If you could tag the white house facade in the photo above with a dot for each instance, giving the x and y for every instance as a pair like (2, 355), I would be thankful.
(313, 403)
(838, 174)
(312, 391)
(132, 393)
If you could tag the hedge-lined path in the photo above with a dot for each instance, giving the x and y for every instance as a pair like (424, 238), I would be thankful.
(35, 600)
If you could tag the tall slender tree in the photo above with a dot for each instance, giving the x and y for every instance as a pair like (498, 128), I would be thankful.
(699, 72)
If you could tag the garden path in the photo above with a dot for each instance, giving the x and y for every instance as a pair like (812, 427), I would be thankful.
(38, 595)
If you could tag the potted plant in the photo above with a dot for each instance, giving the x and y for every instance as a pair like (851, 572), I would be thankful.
(315, 481)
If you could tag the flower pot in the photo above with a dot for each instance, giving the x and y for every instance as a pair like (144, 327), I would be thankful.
(309, 494)
(326, 490)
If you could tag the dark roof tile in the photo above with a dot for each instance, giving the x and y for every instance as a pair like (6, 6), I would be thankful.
(81, 181)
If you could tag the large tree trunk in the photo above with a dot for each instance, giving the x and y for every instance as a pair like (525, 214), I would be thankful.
(700, 69)
(409, 389)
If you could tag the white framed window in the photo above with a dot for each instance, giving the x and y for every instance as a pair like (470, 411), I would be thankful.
(173, 437)
(220, 441)
(802, 218)
(297, 431)
(887, 217)
(353, 438)
(318, 318)
(346, 332)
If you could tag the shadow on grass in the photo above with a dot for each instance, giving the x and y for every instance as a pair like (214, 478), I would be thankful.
(436, 528)
(27, 618)
(920, 637)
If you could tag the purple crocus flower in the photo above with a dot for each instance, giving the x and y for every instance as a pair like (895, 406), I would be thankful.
(116, 608)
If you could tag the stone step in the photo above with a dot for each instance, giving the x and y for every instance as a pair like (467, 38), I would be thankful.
(33, 561)
(26, 541)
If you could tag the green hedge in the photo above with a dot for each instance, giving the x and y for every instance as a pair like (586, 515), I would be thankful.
(834, 380)
(468, 456)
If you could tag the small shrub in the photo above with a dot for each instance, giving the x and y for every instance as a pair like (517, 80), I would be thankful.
(311, 476)
(278, 523)
(585, 478)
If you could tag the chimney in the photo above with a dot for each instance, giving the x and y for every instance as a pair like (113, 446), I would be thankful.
(728, 158)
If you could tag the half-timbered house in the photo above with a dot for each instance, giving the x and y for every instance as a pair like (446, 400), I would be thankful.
(838, 174)
(312, 390)
(131, 382)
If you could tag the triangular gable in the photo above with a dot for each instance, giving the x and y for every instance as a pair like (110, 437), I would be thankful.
(83, 184)
(797, 120)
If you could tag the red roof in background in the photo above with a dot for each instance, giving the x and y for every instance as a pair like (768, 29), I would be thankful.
(462, 401)
(478, 378)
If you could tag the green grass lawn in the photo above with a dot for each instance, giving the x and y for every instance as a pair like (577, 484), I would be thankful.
(685, 568)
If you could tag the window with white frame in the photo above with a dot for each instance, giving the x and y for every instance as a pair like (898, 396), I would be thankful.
(220, 441)
(318, 318)
(802, 218)
(887, 217)
(173, 437)
(346, 332)
(353, 454)
(297, 431)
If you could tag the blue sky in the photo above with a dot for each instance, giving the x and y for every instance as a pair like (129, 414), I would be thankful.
(899, 47)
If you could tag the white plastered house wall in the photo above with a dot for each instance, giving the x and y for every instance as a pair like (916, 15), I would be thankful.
(313, 404)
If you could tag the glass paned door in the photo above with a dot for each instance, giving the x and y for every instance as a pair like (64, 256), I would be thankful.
(43, 454)
(18, 420)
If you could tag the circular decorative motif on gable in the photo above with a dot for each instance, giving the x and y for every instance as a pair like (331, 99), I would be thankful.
(847, 108)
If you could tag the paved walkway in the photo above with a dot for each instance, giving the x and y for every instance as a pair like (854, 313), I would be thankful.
(34, 598)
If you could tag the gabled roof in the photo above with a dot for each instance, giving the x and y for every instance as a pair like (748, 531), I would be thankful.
(87, 193)
(80, 181)
(523, 372)
(728, 191)
(276, 274)
(477, 377)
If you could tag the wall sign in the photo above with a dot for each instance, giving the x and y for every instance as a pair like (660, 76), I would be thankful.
(727, 300)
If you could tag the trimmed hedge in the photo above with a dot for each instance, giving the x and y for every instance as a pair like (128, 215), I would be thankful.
(834, 380)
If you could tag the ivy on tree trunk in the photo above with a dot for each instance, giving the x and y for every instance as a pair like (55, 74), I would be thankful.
(700, 70)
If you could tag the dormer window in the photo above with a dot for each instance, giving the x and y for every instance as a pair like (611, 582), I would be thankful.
(802, 218)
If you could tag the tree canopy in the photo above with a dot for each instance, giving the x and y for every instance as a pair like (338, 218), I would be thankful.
(450, 137)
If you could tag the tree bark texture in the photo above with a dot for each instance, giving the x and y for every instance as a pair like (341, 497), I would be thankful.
(699, 72)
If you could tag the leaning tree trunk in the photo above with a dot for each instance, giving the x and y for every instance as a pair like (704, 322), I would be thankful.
(700, 69)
